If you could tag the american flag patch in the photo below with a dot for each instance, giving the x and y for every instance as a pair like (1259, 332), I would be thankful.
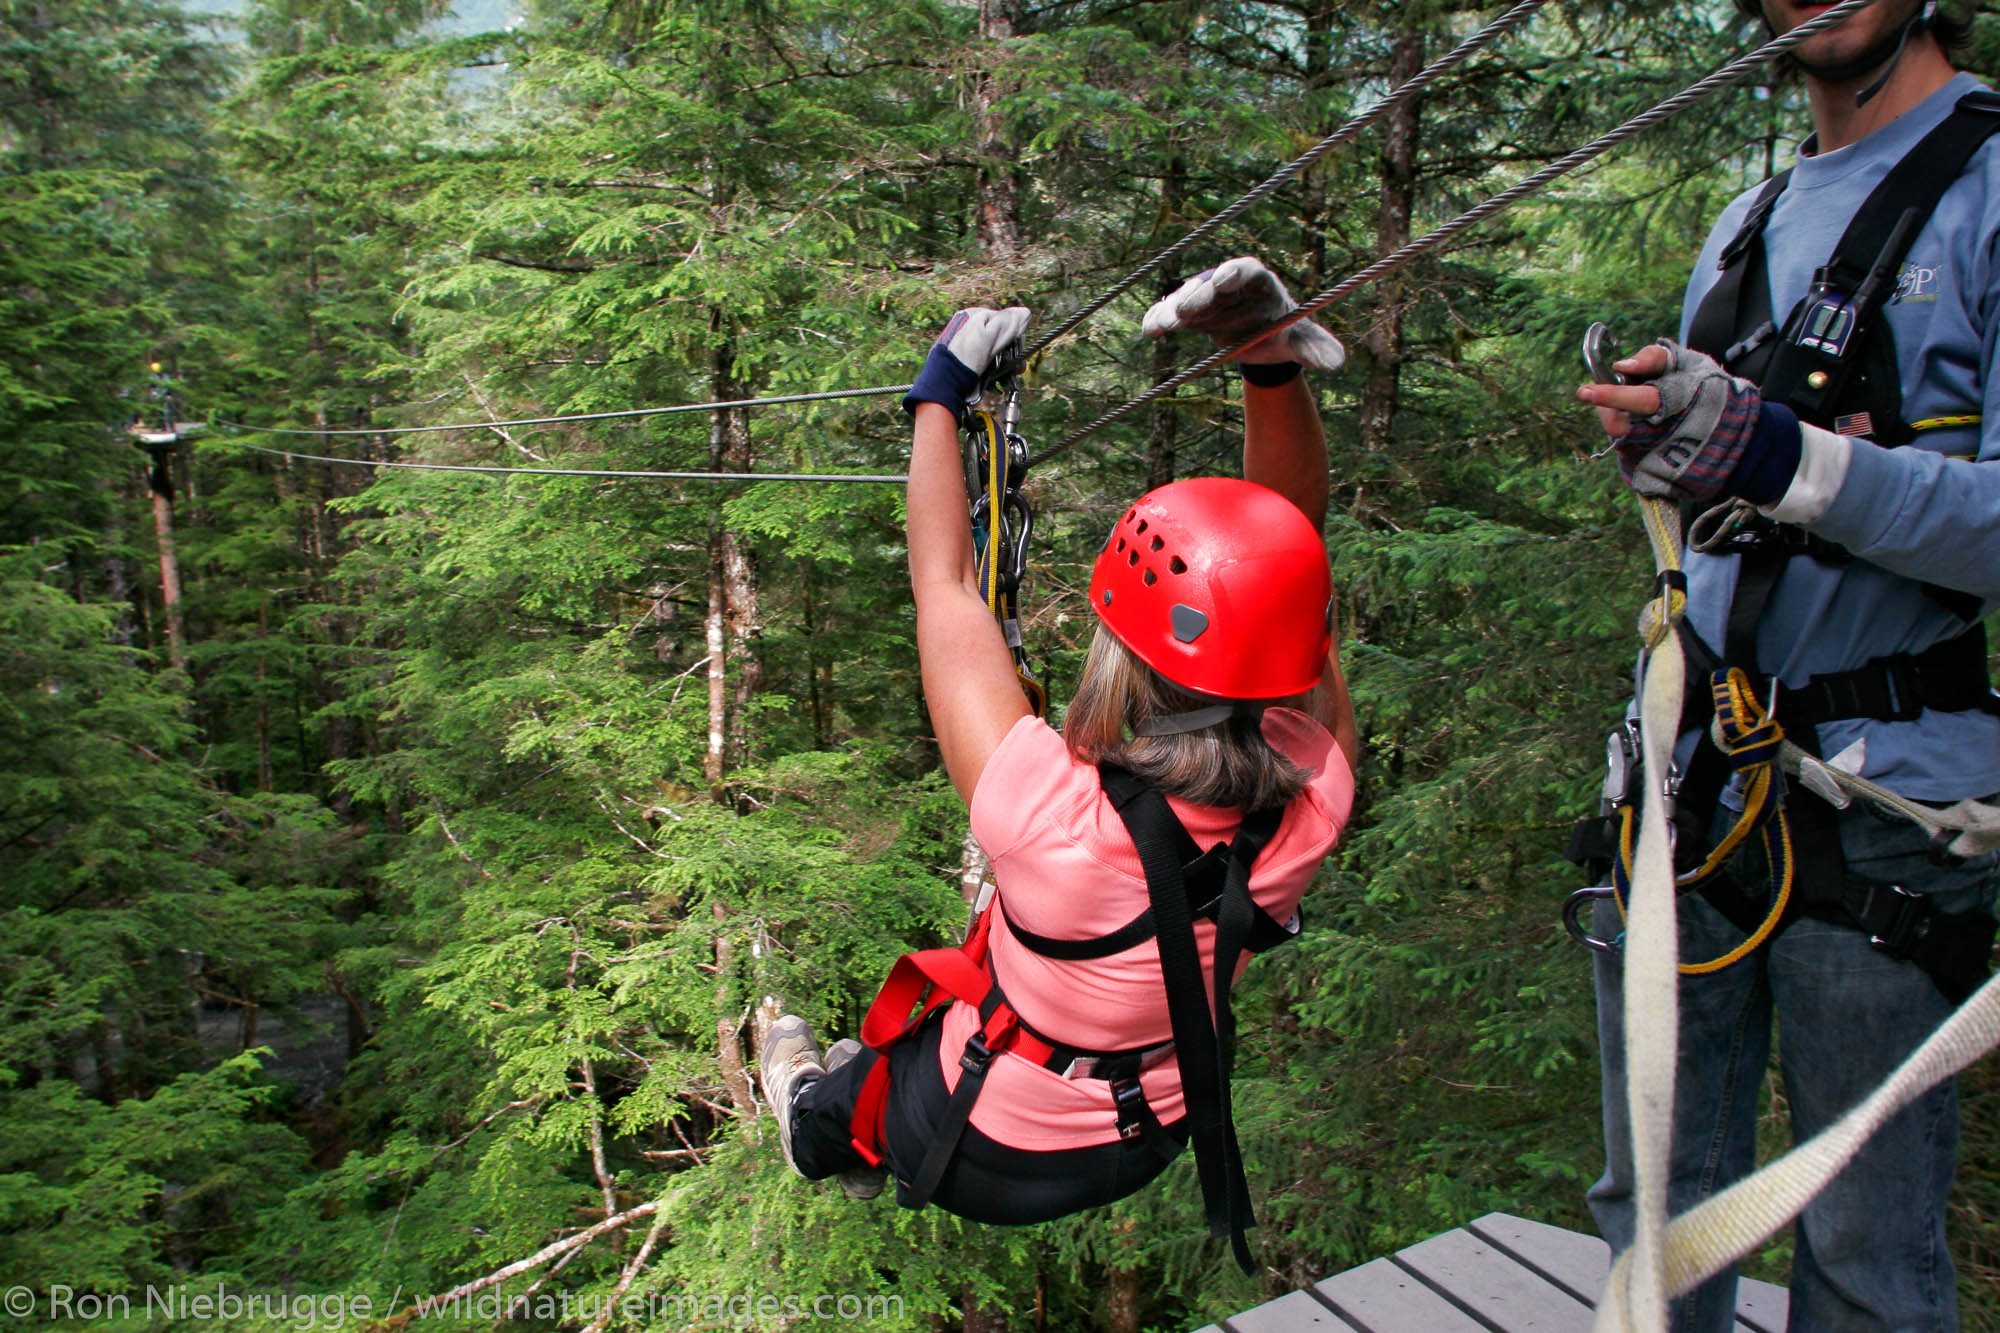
(1858, 423)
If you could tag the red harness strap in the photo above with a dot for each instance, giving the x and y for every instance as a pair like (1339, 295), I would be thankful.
(918, 984)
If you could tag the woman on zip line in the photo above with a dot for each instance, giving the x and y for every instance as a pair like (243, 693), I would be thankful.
(1087, 1033)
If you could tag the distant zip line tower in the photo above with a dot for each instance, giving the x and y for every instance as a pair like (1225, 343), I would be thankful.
(160, 444)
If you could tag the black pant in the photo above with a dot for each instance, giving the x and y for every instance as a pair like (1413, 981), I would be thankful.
(986, 1181)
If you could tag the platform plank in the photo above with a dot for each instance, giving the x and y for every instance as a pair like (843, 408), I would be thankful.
(1293, 1312)
(1576, 1263)
(1486, 1282)
(1379, 1297)
(1761, 1307)
(1499, 1274)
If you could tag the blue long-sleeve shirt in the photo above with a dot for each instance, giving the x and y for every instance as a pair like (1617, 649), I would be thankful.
(1928, 512)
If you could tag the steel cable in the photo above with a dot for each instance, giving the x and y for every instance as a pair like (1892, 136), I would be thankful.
(881, 478)
(575, 416)
(1562, 166)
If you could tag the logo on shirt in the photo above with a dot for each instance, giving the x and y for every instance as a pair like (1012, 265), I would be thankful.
(1916, 282)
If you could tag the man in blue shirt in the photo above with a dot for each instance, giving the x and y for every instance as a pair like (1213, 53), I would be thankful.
(1857, 586)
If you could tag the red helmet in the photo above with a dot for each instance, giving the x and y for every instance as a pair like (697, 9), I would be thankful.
(1221, 586)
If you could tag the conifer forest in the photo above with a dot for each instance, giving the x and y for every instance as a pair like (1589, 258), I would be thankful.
(396, 865)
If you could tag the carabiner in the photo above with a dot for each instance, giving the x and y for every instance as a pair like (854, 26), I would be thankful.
(1573, 912)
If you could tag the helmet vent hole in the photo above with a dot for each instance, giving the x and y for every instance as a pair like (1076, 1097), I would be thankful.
(1158, 542)
(1142, 525)
(1151, 578)
(1121, 544)
(1132, 558)
(1177, 565)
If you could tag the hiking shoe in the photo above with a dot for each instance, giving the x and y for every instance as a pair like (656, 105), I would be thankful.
(859, 1182)
(789, 1053)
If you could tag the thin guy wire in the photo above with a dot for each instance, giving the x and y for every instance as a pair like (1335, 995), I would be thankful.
(1416, 84)
(1680, 101)
(581, 471)
(576, 416)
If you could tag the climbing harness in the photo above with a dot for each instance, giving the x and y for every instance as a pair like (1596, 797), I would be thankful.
(1834, 363)
(1183, 884)
(1003, 521)
(1834, 368)
(1749, 737)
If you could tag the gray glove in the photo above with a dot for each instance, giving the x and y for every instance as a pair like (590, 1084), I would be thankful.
(1233, 301)
(1693, 446)
(962, 354)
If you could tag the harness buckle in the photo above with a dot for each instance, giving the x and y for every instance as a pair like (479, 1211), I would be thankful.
(1908, 918)
(1903, 677)
(977, 1055)
(1130, 1100)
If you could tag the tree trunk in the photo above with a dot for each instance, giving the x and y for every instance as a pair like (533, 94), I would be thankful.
(170, 565)
(999, 195)
(117, 586)
(980, 1318)
(1316, 73)
(1381, 391)
(718, 678)
(734, 567)
(1121, 1282)
(265, 780)
(728, 1028)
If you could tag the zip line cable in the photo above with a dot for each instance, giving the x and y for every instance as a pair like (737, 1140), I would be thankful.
(895, 479)
(574, 416)
(1417, 83)
(1731, 73)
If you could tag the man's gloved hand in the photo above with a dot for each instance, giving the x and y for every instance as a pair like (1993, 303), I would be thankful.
(1708, 435)
(964, 352)
(1234, 300)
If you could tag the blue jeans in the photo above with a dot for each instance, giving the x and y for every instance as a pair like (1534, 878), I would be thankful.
(1870, 1251)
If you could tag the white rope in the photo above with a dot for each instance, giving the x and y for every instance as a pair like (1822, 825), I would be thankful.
(1636, 1295)
(1717, 1232)
(1976, 826)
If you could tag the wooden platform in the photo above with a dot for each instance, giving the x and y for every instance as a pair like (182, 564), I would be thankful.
(1500, 1274)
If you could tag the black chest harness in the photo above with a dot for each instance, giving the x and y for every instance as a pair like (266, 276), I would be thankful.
(1833, 362)
(1184, 883)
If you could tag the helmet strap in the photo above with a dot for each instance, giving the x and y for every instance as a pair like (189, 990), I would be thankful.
(1173, 724)
(1919, 22)
(1885, 55)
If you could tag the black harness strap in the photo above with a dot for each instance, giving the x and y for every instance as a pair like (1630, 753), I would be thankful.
(1834, 363)
(1735, 321)
(1812, 375)
(1948, 677)
(1203, 1048)
(973, 1065)
(1714, 328)
(1205, 874)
